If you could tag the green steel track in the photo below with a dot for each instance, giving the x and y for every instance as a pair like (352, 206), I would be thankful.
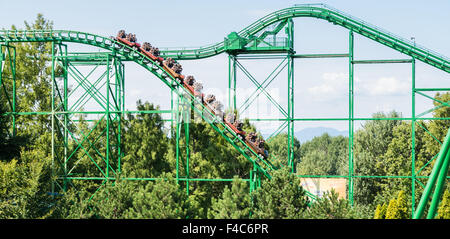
(324, 12)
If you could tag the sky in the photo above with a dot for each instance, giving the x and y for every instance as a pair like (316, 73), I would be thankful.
(321, 85)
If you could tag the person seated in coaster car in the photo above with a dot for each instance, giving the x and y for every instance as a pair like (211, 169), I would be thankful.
(198, 87)
(208, 102)
(235, 125)
(188, 83)
(172, 67)
(217, 108)
(128, 39)
(254, 143)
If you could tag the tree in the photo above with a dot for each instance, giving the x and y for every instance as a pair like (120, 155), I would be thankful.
(444, 207)
(281, 197)
(398, 207)
(370, 144)
(72, 204)
(24, 185)
(397, 159)
(278, 149)
(145, 144)
(438, 128)
(162, 199)
(324, 155)
(233, 204)
(330, 206)
(380, 212)
(10, 144)
(33, 80)
(121, 199)
(114, 199)
(32, 93)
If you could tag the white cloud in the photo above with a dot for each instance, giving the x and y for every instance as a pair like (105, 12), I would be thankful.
(334, 85)
(386, 86)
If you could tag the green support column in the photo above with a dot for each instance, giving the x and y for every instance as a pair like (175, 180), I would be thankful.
(107, 116)
(232, 81)
(118, 110)
(177, 139)
(251, 179)
(187, 118)
(255, 179)
(1, 65)
(172, 134)
(291, 116)
(2, 58)
(66, 116)
(9, 55)
(53, 116)
(108, 91)
(350, 119)
(120, 93)
(413, 137)
(13, 75)
(182, 118)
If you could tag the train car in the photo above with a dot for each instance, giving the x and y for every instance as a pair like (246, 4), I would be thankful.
(198, 87)
(235, 125)
(256, 145)
(261, 143)
(214, 106)
(208, 100)
(217, 107)
(173, 68)
(188, 83)
(128, 39)
(151, 52)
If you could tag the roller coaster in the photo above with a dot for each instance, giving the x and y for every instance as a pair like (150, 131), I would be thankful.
(214, 106)
(260, 38)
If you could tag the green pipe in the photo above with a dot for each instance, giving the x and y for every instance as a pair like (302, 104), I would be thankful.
(13, 74)
(433, 176)
(186, 132)
(432, 89)
(350, 116)
(362, 176)
(53, 118)
(177, 140)
(107, 115)
(439, 187)
(432, 98)
(413, 135)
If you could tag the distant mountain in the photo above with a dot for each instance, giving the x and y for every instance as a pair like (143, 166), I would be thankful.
(309, 133)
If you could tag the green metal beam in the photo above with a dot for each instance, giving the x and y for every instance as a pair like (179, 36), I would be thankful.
(382, 61)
